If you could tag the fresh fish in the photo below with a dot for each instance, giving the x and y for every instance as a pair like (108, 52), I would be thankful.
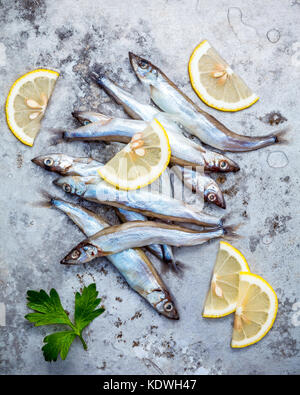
(138, 234)
(163, 252)
(200, 184)
(68, 165)
(166, 95)
(107, 129)
(184, 150)
(141, 200)
(132, 263)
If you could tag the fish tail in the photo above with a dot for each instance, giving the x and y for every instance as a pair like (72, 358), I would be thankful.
(280, 136)
(224, 219)
(178, 267)
(230, 232)
(174, 265)
(46, 201)
(57, 137)
(169, 259)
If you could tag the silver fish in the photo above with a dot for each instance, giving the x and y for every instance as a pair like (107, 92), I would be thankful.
(201, 184)
(68, 165)
(184, 150)
(141, 200)
(132, 263)
(106, 129)
(163, 252)
(166, 95)
(138, 234)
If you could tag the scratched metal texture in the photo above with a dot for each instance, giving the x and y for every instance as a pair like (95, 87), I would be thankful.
(261, 42)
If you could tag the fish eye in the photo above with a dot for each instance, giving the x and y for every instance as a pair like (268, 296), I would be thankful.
(168, 306)
(143, 64)
(48, 162)
(211, 197)
(223, 164)
(67, 188)
(75, 254)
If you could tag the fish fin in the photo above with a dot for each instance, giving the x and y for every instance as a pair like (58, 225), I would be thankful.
(57, 138)
(177, 267)
(46, 200)
(230, 232)
(225, 218)
(83, 160)
(279, 139)
(92, 179)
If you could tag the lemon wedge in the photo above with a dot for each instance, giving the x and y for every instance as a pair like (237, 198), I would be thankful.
(142, 161)
(223, 293)
(256, 310)
(27, 102)
(216, 83)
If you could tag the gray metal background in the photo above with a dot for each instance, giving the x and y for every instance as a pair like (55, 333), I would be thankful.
(260, 40)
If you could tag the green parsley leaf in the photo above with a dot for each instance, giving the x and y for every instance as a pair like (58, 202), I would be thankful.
(49, 311)
(56, 343)
(85, 305)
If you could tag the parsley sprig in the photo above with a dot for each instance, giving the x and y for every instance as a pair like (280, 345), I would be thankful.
(49, 311)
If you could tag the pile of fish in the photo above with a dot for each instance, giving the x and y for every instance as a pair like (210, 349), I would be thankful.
(122, 244)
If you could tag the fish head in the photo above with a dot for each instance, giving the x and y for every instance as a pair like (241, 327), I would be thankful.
(87, 117)
(71, 184)
(161, 300)
(213, 194)
(83, 253)
(59, 163)
(144, 70)
(223, 164)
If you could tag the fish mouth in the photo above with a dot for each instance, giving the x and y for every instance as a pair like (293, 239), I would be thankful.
(65, 261)
(173, 316)
(132, 58)
(38, 161)
(76, 115)
(135, 61)
(220, 202)
(56, 182)
(236, 168)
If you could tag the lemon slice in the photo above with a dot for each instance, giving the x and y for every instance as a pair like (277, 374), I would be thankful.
(255, 311)
(223, 293)
(216, 83)
(27, 102)
(142, 161)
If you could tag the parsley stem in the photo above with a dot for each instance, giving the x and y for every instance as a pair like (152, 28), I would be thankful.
(83, 342)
